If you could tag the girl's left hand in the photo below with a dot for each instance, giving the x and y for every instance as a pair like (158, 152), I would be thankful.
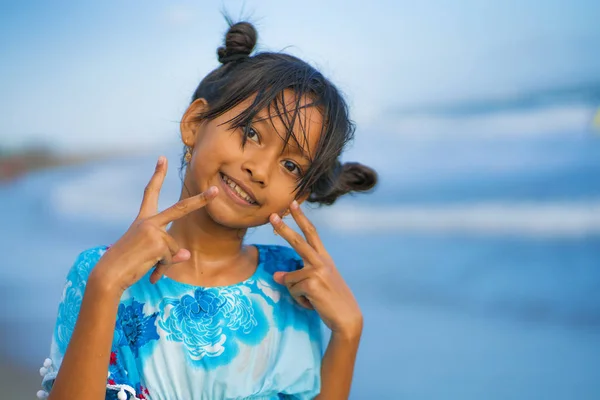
(318, 285)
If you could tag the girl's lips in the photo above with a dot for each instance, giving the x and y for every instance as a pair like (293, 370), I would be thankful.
(234, 196)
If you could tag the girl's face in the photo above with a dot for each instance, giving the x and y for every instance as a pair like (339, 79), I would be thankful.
(256, 180)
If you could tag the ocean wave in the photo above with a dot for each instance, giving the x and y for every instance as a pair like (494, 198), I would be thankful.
(109, 193)
(103, 194)
(537, 219)
(112, 194)
(543, 121)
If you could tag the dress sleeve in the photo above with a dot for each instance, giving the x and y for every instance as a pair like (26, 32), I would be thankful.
(117, 383)
(307, 383)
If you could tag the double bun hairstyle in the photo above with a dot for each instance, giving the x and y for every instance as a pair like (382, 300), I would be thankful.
(266, 75)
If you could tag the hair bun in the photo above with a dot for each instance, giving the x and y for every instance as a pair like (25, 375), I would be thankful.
(348, 177)
(357, 177)
(240, 40)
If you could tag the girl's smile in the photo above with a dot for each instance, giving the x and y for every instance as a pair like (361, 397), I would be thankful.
(237, 191)
(257, 178)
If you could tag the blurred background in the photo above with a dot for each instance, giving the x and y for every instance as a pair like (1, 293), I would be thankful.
(477, 259)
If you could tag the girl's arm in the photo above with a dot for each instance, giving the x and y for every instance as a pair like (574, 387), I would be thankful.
(84, 367)
(82, 373)
(338, 366)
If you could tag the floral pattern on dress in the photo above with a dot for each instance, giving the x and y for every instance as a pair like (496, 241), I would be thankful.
(116, 372)
(272, 345)
(141, 391)
(135, 328)
(204, 321)
(72, 296)
(67, 314)
(279, 258)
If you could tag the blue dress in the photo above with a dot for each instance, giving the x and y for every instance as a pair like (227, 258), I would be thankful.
(173, 340)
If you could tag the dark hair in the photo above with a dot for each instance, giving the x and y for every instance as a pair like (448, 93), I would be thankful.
(267, 75)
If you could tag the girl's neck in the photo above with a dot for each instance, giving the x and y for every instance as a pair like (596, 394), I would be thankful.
(205, 239)
(217, 253)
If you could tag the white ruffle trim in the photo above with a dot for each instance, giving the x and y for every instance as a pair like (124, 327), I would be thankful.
(122, 395)
(48, 373)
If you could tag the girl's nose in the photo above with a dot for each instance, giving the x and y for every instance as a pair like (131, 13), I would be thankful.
(258, 171)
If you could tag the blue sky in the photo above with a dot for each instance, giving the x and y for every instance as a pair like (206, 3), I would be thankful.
(120, 73)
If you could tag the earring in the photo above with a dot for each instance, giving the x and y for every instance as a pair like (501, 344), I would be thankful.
(188, 154)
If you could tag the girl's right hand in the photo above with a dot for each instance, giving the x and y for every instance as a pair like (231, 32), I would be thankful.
(147, 243)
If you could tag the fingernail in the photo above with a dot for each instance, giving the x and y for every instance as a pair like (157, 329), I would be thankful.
(294, 205)
(161, 160)
(277, 276)
(211, 190)
(276, 219)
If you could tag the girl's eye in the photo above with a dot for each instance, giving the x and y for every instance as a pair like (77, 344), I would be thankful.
(292, 167)
(251, 134)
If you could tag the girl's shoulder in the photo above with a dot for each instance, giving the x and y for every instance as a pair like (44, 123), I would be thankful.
(85, 262)
(275, 258)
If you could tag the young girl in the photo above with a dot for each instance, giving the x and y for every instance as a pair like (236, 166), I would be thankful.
(179, 307)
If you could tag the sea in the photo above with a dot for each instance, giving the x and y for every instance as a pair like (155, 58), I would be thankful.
(476, 260)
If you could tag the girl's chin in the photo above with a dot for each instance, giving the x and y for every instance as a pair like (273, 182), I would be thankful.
(229, 217)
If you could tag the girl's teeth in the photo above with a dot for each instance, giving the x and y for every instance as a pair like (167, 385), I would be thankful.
(238, 190)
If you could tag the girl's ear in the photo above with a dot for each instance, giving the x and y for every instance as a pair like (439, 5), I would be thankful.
(190, 125)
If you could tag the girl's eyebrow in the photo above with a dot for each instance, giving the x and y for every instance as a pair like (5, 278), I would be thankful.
(296, 148)
(300, 151)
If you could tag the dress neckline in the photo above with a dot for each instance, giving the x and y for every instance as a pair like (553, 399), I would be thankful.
(167, 280)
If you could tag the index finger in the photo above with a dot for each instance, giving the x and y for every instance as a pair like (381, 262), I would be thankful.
(185, 206)
(305, 250)
(152, 190)
(307, 228)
